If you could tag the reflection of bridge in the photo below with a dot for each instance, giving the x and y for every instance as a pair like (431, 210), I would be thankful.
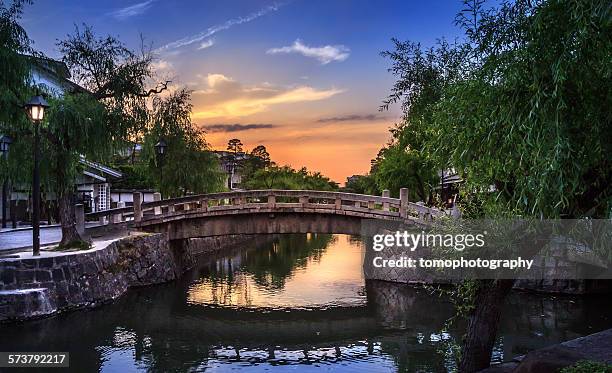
(266, 211)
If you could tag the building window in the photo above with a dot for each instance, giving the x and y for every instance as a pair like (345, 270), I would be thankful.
(102, 197)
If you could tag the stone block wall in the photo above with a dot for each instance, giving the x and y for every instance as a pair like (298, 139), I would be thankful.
(40, 286)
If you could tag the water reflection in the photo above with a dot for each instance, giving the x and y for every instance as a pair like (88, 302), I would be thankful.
(292, 302)
(289, 271)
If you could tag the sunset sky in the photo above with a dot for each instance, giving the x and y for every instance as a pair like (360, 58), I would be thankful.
(304, 78)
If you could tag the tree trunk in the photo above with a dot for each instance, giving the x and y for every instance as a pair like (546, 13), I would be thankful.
(68, 219)
(483, 323)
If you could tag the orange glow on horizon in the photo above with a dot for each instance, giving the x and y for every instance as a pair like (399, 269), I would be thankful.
(337, 151)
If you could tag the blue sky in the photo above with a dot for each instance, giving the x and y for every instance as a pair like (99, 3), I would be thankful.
(308, 71)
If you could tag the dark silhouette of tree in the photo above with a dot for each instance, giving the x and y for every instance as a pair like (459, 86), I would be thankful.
(234, 146)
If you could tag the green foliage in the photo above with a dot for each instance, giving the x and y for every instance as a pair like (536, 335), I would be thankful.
(423, 75)
(14, 70)
(74, 246)
(521, 109)
(258, 159)
(398, 167)
(285, 177)
(135, 176)
(522, 105)
(362, 184)
(188, 165)
(14, 81)
(586, 366)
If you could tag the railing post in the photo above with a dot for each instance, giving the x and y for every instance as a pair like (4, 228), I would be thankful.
(271, 201)
(371, 205)
(338, 203)
(386, 194)
(404, 202)
(358, 204)
(118, 218)
(203, 205)
(303, 200)
(79, 211)
(157, 198)
(137, 199)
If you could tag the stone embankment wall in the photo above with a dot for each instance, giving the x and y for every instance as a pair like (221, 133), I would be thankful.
(41, 286)
(36, 287)
(556, 274)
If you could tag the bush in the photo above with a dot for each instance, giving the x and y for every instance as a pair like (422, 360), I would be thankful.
(588, 367)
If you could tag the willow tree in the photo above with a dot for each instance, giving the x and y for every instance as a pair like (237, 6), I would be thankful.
(14, 83)
(14, 70)
(525, 108)
(100, 118)
(188, 165)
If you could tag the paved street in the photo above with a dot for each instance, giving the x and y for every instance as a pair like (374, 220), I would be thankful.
(22, 238)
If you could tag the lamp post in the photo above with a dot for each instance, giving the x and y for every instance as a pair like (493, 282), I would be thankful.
(35, 109)
(160, 151)
(5, 142)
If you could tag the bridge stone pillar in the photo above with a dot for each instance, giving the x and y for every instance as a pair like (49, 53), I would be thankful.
(157, 197)
(79, 211)
(117, 218)
(203, 205)
(386, 193)
(137, 199)
(271, 201)
(404, 202)
(338, 203)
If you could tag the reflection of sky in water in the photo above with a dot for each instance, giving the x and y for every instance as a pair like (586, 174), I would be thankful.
(334, 279)
(121, 356)
(358, 356)
(185, 326)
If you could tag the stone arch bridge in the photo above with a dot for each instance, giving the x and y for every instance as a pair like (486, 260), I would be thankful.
(265, 211)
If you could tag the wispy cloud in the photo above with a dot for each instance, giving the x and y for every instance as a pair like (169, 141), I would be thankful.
(188, 40)
(224, 97)
(206, 44)
(352, 118)
(161, 65)
(325, 54)
(237, 127)
(132, 10)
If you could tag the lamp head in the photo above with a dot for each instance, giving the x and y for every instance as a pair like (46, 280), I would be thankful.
(35, 108)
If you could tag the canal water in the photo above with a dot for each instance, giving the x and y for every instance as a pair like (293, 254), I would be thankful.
(295, 303)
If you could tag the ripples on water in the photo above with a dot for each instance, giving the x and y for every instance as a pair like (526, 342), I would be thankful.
(288, 303)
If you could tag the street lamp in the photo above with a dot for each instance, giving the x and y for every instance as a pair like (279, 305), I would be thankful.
(35, 109)
(160, 150)
(5, 142)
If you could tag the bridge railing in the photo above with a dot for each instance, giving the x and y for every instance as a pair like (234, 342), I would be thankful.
(269, 200)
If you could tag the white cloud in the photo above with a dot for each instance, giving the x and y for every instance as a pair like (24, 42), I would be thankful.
(224, 97)
(132, 10)
(188, 40)
(325, 54)
(206, 44)
(161, 65)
